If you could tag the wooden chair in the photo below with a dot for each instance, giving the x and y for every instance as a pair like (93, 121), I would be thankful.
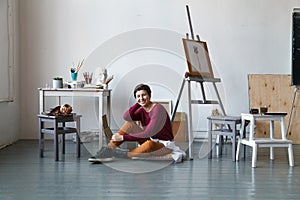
(57, 130)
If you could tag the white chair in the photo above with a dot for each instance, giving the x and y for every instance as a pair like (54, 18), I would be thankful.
(255, 143)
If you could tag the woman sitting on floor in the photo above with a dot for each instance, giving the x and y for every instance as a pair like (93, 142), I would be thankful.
(154, 135)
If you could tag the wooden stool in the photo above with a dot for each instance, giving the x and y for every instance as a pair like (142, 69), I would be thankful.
(228, 128)
(58, 130)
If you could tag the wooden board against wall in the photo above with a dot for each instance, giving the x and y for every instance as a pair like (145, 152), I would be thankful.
(276, 92)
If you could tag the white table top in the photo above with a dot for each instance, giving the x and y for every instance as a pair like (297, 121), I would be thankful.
(276, 116)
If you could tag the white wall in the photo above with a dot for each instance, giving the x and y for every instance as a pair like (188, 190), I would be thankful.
(243, 37)
(10, 111)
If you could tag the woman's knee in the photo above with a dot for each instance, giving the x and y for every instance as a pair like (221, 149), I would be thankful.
(129, 127)
(153, 145)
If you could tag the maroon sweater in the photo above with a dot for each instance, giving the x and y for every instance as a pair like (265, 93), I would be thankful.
(156, 123)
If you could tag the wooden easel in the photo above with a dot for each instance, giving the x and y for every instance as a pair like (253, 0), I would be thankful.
(201, 80)
(292, 108)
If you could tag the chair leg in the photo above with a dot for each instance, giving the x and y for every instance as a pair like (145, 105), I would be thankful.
(291, 155)
(63, 137)
(209, 139)
(41, 144)
(244, 151)
(77, 145)
(221, 138)
(41, 138)
(56, 149)
(238, 150)
(254, 155)
(233, 141)
(271, 153)
(78, 137)
(233, 150)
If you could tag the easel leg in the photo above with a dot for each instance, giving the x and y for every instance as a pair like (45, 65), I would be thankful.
(292, 107)
(219, 99)
(178, 99)
(202, 91)
(190, 127)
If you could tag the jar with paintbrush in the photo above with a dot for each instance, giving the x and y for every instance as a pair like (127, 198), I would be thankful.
(75, 70)
(88, 77)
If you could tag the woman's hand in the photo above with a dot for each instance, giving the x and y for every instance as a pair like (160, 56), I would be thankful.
(117, 137)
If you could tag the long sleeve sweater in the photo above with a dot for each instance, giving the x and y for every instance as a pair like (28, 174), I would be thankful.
(156, 123)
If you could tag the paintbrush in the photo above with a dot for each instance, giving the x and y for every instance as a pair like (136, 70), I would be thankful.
(109, 79)
(79, 65)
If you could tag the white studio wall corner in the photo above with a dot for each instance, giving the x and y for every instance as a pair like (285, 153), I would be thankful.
(9, 103)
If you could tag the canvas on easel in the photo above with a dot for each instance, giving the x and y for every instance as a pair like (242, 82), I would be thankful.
(197, 57)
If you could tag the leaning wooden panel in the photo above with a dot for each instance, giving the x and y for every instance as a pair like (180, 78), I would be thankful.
(276, 92)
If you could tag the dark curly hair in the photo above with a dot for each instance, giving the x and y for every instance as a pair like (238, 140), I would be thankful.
(142, 87)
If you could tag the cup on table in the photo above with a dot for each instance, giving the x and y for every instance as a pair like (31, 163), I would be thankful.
(253, 111)
(263, 109)
(74, 76)
(88, 77)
